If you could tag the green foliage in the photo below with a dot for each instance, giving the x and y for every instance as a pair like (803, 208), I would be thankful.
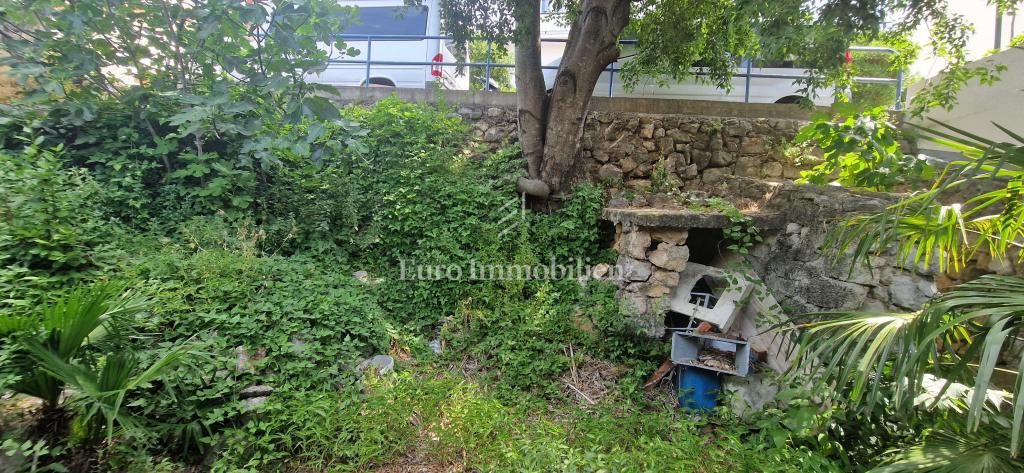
(265, 288)
(676, 39)
(947, 452)
(78, 343)
(660, 177)
(34, 452)
(449, 421)
(307, 321)
(52, 233)
(176, 109)
(741, 233)
(501, 77)
(876, 64)
(861, 150)
(925, 229)
(62, 330)
(945, 355)
(70, 54)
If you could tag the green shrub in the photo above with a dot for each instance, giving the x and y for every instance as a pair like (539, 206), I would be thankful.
(52, 231)
(75, 357)
(861, 149)
(310, 321)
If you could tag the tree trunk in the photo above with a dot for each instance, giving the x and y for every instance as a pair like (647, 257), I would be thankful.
(530, 91)
(551, 128)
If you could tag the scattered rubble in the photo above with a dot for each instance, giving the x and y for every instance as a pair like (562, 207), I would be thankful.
(255, 395)
(382, 364)
(245, 362)
(260, 390)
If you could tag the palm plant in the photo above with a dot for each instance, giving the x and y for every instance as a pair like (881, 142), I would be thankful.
(85, 317)
(74, 344)
(958, 337)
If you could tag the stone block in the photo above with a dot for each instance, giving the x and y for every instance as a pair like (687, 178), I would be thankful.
(633, 243)
(753, 145)
(639, 184)
(666, 146)
(679, 136)
(910, 292)
(627, 165)
(700, 158)
(657, 291)
(663, 277)
(494, 135)
(647, 131)
(716, 143)
(635, 303)
(675, 236)
(748, 166)
(772, 169)
(721, 159)
(631, 269)
(669, 256)
(610, 172)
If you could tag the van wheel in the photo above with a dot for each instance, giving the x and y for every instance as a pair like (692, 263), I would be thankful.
(380, 82)
(790, 99)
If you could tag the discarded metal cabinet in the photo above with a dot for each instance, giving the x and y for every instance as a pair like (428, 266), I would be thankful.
(688, 349)
(730, 290)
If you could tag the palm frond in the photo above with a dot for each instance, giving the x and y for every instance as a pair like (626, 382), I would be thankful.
(85, 316)
(943, 452)
(951, 348)
(102, 393)
(925, 230)
(957, 337)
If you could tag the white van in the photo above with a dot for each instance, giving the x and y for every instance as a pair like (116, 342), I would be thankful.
(393, 18)
(762, 90)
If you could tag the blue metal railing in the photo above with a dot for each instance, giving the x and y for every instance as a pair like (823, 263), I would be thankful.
(488, 65)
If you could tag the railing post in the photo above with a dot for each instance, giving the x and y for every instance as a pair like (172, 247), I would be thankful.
(487, 66)
(899, 91)
(746, 85)
(611, 78)
(369, 51)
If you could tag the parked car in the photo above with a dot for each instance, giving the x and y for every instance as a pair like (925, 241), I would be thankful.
(392, 18)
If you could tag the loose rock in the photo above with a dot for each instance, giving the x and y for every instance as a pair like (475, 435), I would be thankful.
(383, 364)
(669, 256)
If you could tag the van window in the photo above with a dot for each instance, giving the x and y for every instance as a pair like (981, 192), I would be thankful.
(391, 21)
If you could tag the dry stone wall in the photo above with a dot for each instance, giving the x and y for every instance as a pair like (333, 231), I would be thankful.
(626, 146)
(650, 259)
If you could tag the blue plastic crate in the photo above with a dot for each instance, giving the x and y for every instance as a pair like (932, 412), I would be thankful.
(698, 388)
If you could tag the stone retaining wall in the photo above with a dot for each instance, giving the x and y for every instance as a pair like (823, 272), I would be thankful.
(626, 147)
(803, 272)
